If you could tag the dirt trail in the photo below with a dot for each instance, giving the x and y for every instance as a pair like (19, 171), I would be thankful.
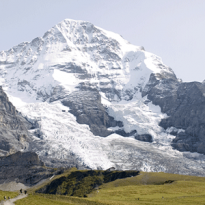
(11, 201)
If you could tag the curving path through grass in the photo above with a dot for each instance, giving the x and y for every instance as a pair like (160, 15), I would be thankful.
(11, 201)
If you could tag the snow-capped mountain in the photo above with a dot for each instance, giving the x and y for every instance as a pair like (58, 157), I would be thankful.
(94, 100)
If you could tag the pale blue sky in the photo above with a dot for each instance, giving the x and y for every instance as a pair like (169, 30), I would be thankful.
(172, 29)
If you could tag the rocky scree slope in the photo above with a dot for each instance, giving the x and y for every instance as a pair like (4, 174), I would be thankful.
(82, 88)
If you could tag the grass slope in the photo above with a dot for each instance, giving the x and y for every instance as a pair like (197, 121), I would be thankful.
(149, 188)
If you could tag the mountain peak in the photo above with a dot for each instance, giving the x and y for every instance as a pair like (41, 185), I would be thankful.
(79, 78)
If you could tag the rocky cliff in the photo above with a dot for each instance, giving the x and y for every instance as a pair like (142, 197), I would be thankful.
(13, 127)
(184, 103)
(23, 167)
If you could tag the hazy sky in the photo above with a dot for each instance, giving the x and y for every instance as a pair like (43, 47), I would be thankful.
(171, 29)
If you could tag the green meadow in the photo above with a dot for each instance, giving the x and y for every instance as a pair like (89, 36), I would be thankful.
(145, 188)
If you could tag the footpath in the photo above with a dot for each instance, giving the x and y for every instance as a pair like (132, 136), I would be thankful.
(11, 201)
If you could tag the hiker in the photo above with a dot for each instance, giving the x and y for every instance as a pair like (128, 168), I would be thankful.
(25, 192)
(21, 191)
(4, 197)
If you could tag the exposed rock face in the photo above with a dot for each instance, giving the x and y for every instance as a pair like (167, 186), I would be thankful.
(13, 127)
(190, 116)
(185, 105)
(21, 167)
(21, 159)
(161, 90)
(86, 106)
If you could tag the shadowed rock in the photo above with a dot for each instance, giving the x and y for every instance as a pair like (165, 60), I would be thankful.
(23, 167)
(144, 137)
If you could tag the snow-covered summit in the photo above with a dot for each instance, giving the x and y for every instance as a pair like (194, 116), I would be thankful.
(81, 51)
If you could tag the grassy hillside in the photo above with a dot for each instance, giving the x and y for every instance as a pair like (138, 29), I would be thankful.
(153, 188)
(146, 188)
(81, 183)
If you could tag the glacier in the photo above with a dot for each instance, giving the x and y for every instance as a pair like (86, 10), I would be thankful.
(73, 55)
